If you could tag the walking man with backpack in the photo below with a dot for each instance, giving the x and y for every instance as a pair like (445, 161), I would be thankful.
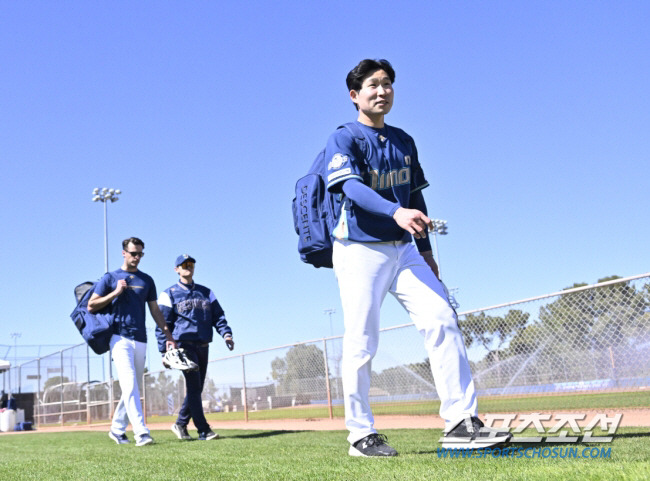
(191, 311)
(128, 290)
(380, 180)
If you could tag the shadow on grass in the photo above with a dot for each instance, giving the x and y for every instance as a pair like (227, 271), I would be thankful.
(263, 434)
(631, 435)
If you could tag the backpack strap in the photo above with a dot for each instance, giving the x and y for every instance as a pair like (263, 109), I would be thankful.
(362, 143)
(358, 134)
(354, 128)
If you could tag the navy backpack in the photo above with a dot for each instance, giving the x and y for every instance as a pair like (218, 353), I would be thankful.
(316, 211)
(96, 328)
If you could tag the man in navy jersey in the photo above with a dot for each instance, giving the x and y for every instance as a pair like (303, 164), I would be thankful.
(128, 290)
(381, 181)
(191, 311)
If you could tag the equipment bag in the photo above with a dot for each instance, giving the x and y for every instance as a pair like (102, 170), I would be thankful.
(96, 328)
(316, 211)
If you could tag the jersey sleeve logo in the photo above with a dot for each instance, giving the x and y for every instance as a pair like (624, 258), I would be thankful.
(337, 161)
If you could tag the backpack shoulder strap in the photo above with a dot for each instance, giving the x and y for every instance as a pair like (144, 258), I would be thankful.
(359, 136)
(354, 129)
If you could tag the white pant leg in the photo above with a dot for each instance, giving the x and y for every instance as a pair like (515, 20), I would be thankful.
(129, 359)
(364, 273)
(422, 295)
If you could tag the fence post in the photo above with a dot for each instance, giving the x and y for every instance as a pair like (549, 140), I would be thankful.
(111, 394)
(327, 380)
(245, 400)
(144, 395)
(37, 401)
(61, 379)
(88, 416)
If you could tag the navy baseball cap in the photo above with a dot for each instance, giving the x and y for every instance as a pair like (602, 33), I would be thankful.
(184, 258)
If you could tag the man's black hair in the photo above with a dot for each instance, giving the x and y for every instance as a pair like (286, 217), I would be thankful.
(364, 69)
(367, 67)
(132, 240)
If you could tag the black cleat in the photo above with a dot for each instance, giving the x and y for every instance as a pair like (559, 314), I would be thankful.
(118, 438)
(144, 440)
(373, 445)
(181, 432)
(208, 435)
(471, 433)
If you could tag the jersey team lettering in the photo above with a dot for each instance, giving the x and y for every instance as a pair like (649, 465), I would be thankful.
(190, 304)
(385, 180)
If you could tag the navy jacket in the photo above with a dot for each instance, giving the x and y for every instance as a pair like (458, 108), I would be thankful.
(191, 312)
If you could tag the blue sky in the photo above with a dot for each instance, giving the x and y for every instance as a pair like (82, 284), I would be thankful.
(531, 121)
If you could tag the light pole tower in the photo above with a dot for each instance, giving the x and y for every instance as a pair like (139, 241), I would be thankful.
(104, 195)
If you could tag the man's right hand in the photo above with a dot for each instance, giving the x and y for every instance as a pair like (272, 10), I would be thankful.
(413, 221)
(121, 286)
(96, 302)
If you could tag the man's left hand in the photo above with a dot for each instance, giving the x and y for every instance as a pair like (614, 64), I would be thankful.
(230, 343)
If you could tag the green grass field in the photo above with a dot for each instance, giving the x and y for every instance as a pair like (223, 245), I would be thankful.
(610, 400)
(287, 455)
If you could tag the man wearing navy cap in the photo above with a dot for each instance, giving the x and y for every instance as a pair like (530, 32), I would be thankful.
(190, 311)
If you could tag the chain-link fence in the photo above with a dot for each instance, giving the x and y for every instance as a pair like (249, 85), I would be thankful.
(585, 339)
(579, 340)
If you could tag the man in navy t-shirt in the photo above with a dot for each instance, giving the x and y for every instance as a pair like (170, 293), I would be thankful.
(128, 290)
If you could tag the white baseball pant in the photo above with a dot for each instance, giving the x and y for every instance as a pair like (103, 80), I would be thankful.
(365, 273)
(129, 358)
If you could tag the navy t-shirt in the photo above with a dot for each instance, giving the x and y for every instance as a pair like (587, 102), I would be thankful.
(390, 167)
(129, 307)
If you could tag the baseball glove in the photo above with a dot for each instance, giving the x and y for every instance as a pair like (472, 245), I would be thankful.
(176, 359)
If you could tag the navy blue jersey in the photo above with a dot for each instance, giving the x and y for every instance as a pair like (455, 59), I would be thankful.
(129, 308)
(191, 312)
(389, 165)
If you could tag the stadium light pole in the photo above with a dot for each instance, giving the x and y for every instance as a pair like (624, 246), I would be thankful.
(104, 195)
(439, 227)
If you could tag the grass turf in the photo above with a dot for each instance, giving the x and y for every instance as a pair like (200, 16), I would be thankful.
(287, 455)
(559, 403)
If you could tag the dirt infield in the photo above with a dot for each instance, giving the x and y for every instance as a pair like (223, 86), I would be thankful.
(631, 418)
